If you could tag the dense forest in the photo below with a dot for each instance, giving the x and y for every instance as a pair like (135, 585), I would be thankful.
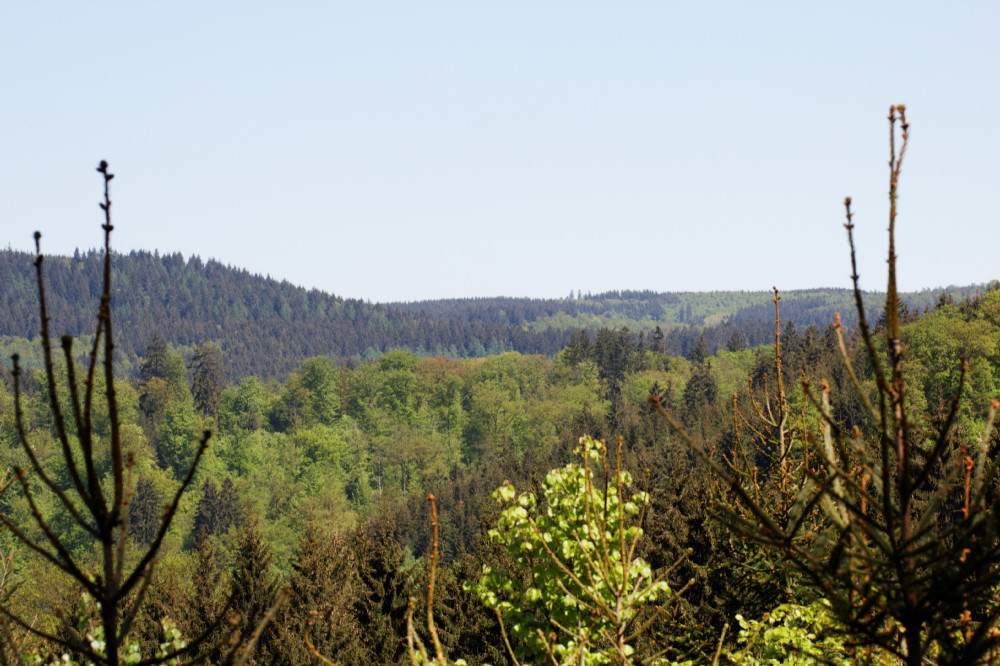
(822, 493)
(645, 310)
(319, 482)
(265, 327)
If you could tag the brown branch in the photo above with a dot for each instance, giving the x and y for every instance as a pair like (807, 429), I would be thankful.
(30, 452)
(247, 650)
(168, 517)
(109, 348)
(93, 482)
(438, 650)
(50, 374)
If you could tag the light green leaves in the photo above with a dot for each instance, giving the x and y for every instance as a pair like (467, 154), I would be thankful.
(579, 589)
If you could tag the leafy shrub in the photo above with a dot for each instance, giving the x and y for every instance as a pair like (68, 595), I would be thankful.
(581, 594)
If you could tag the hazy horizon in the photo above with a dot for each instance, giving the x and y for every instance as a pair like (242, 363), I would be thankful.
(389, 152)
(264, 275)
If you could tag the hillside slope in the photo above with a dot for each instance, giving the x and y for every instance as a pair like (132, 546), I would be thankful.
(263, 326)
(266, 327)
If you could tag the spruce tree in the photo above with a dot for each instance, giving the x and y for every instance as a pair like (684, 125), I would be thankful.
(154, 364)
(207, 603)
(89, 477)
(218, 510)
(701, 389)
(207, 378)
(145, 512)
(254, 589)
(657, 344)
(229, 513)
(206, 516)
(699, 352)
(321, 601)
(380, 606)
(736, 342)
(152, 378)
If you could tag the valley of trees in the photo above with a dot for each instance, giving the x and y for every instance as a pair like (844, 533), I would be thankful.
(319, 482)
(265, 327)
(827, 492)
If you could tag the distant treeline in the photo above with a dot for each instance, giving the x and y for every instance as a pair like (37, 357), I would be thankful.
(635, 305)
(682, 317)
(266, 327)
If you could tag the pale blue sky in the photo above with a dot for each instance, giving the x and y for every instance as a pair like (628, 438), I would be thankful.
(409, 150)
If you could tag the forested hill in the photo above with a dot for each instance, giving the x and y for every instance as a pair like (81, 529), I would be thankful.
(681, 316)
(267, 327)
(645, 310)
(264, 327)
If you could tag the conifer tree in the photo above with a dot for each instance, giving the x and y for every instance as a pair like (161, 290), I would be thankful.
(96, 503)
(253, 589)
(206, 516)
(736, 342)
(207, 602)
(896, 525)
(229, 511)
(699, 352)
(207, 378)
(152, 378)
(218, 510)
(579, 347)
(701, 389)
(145, 511)
(164, 599)
(318, 616)
(381, 602)
(154, 364)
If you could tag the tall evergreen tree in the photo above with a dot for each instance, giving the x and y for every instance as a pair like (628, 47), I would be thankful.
(699, 352)
(154, 364)
(320, 603)
(218, 510)
(230, 511)
(254, 589)
(145, 512)
(736, 342)
(701, 389)
(206, 515)
(579, 347)
(380, 606)
(207, 602)
(657, 339)
(207, 378)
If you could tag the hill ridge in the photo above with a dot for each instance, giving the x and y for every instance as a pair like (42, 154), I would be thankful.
(266, 326)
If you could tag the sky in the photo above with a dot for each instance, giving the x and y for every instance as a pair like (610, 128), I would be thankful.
(397, 151)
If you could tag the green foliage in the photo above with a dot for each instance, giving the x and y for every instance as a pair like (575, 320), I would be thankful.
(175, 440)
(579, 590)
(893, 521)
(207, 598)
(154, 362)
(207, 379)
(145, 511)
(89, 479)
(245, 408)
(254, 588)
(795, 636)
(951, 332)
(322, 588)
(218, 510)
(380, 605)
(340, 441)
(172, 641)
